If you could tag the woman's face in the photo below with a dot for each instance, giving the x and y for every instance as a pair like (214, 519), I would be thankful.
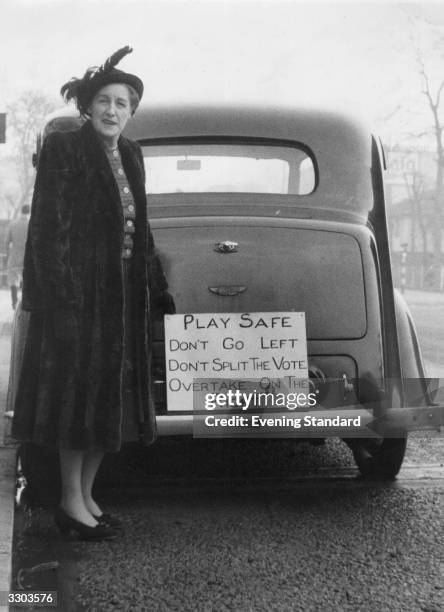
(110, 110)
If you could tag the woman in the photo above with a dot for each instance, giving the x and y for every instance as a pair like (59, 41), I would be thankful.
(88, 264)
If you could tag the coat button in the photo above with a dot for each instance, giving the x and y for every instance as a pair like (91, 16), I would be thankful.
(129, 223)
(120, 171)
(125, 190)
(131, 208)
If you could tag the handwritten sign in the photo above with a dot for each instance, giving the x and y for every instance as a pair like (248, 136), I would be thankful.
(235, 346)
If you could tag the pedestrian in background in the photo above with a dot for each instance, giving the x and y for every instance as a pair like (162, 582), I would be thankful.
(15, 252)
(90, 275)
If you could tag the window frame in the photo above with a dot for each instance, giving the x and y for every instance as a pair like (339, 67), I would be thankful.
(238, 140)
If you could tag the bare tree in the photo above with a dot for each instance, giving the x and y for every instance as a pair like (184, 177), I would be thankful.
(414, 183)
(7, 201)
(421, 217)
(25, 117)
(433, 97)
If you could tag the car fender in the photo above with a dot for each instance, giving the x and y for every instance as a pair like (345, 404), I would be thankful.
(415, 382)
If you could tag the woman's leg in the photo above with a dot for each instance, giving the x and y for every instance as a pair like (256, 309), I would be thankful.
(72, 502)
(91, 463)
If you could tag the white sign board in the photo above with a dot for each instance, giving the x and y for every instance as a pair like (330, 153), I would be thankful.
(234, 346)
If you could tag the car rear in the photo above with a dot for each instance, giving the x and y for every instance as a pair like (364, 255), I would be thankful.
(273, 213)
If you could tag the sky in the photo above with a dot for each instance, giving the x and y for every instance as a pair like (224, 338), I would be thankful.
(357, 56)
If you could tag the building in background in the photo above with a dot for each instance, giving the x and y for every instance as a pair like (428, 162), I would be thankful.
(410, 193)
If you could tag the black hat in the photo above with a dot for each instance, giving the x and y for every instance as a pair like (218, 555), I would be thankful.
(83, 90)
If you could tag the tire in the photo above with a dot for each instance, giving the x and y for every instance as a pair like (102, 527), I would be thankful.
(378, 459)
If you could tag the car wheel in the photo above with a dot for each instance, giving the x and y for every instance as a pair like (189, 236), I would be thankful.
(378, 458)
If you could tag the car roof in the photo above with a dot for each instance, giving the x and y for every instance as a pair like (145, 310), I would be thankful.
(285, 123)
(250, 120)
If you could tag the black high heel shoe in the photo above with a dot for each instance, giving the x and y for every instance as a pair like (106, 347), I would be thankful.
(67, 524)
(109, 520)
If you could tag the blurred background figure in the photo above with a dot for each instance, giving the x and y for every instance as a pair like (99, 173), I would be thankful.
(15, 251)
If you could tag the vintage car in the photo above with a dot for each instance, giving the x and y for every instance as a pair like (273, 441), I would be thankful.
(260, 213)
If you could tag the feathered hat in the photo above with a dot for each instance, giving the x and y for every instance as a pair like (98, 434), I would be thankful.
(83, 90)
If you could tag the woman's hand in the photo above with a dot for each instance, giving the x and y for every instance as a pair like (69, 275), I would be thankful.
(165, 303)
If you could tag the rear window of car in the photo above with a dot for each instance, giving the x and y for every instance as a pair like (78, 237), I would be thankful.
(229, 168)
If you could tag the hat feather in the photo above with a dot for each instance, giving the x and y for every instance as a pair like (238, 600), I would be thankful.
(71, 89)
(115, 58)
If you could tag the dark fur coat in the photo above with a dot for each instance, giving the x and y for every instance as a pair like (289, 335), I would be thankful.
(70, 393)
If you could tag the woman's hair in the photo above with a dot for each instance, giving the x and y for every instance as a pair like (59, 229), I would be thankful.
(133, 97)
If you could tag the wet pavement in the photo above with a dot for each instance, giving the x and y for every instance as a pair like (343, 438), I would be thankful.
(287, 529)
(267, 525)
(253, 547)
